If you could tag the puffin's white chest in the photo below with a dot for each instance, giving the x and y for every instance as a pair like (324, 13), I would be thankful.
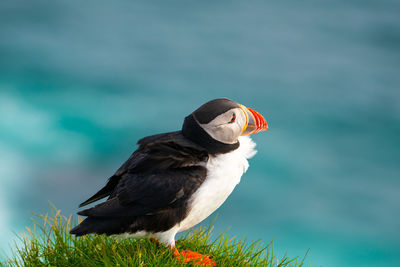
(223, 174)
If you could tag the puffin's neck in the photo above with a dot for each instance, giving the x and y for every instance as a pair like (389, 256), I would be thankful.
(192, 131)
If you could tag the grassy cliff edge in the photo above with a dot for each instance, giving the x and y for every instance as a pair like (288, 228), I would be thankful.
(48, 243)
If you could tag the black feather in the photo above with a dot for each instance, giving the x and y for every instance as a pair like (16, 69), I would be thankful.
(104, 192)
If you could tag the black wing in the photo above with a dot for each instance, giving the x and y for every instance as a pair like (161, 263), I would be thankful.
(150, 193)
(162, 151)
(152, 187)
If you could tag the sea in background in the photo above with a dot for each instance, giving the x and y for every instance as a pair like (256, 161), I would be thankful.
(82, 81)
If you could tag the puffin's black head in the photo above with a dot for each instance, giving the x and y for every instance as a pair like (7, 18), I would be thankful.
(217, 125)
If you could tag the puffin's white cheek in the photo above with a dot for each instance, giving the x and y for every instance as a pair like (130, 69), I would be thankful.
(224, 134)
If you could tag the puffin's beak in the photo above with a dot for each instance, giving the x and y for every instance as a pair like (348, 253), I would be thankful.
(255, 122)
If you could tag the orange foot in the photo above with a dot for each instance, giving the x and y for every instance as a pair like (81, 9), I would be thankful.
(194, 258)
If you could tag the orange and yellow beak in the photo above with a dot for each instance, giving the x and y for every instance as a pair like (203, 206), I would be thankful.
(255, 122)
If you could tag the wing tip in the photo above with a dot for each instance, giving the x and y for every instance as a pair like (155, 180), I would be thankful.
(84, 204)
(92, 199)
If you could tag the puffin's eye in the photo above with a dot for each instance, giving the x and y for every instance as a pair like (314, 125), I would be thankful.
(233, 118)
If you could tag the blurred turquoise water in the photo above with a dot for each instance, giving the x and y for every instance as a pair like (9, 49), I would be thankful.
(81, 82)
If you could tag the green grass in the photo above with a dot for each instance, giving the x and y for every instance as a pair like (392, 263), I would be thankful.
(48, 243)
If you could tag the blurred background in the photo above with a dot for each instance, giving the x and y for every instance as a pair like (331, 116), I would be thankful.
(82, 81)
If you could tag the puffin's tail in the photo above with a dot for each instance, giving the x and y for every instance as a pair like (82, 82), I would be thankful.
(98, 226)
(83, 228)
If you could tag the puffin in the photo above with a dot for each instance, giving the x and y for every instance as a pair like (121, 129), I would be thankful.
(175, 180)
